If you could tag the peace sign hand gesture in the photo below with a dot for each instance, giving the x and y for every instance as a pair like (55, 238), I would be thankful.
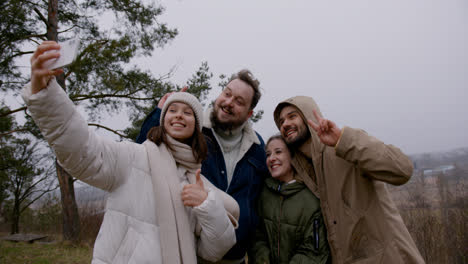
(327, 130)
(194, 194)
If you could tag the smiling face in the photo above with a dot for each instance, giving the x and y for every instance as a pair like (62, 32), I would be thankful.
(179, 121)
(232, 107)
(292, 126)
(279, 160)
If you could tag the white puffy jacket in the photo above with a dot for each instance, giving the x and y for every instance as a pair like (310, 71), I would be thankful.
(129, 232)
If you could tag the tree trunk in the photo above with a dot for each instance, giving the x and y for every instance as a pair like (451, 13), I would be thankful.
(15, 218)
(70, 216)
(71, 220)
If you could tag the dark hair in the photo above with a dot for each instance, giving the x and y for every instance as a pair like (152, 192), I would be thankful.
(247, 77)
(158, 135)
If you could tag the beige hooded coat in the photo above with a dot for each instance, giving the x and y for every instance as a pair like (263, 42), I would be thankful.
(363, 223)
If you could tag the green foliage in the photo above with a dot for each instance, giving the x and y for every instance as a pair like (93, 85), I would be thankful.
(22, 172)
(102, 77)
(7, 160)
(256, 116)
(15, 26)
(27, 178)
(199, 84)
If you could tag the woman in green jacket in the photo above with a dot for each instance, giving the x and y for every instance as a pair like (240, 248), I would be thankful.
(291, 228)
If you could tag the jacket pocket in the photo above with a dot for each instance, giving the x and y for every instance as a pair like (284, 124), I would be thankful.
(362, 244)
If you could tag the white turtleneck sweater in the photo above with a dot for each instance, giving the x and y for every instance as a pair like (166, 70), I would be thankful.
(234, 144)
(230, 142)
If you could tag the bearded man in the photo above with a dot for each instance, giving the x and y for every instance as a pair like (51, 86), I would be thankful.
(236, 153)
(349, 171)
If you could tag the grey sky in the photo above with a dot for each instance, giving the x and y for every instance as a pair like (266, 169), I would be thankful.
(397, 69)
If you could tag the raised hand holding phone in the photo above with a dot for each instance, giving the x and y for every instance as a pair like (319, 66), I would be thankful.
(40, 73)
(68, 53)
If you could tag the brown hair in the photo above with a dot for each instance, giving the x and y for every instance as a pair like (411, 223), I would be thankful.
(279, 137)
(158, 135)
(291, 152)
(247, 77)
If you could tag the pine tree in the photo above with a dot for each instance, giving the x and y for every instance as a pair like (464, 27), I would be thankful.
(103, 78)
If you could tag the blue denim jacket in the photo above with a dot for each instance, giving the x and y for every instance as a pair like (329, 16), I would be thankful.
(245, 186)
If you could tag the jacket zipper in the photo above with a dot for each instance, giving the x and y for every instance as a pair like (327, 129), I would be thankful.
(316, 234)
(279, 225)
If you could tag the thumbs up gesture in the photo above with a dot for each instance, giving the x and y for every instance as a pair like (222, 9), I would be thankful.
(194, 194)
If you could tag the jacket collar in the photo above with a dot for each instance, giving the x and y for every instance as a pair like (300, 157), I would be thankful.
(282, 188)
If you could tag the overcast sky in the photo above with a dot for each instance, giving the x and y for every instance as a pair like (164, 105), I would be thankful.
(397, 69)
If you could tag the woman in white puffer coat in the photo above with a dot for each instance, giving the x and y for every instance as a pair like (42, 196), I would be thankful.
(160, 209)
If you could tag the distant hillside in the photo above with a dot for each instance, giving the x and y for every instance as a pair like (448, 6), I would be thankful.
(429, 167)
(457, 157)
(438, 178)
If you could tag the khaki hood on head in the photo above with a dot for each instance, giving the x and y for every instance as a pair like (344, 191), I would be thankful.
(305, 104)
(350, 180)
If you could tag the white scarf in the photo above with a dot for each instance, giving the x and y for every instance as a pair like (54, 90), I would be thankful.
(178, 240)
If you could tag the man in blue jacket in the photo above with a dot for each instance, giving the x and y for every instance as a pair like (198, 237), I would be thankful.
(236, 153)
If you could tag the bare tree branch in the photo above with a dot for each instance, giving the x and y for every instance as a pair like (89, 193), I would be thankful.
(13, 131)
(68, 29)
(13, 111)
(108, 129)
(39, 196)
(41, 16)
(82, 97)
(21, 53)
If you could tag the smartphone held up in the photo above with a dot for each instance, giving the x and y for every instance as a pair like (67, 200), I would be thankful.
(68, 52)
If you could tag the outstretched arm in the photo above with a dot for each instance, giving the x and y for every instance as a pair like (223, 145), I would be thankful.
(81, 152)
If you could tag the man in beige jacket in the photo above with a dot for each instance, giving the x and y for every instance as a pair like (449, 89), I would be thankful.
(348, 172)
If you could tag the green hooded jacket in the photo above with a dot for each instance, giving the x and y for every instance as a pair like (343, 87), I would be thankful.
(291, 228)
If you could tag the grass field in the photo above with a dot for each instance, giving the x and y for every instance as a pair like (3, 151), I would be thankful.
(36, 253)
